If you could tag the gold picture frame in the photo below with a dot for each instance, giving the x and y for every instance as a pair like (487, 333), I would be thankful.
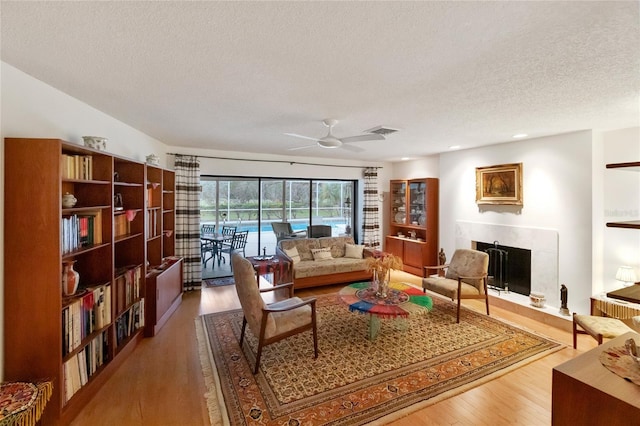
(501, 184)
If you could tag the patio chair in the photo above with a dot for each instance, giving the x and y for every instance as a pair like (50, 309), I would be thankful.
(317, 231)
(273, 322)
(207, 246)
(284, 230)
(238, 244)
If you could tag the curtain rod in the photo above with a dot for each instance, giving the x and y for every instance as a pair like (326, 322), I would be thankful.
(277, 161)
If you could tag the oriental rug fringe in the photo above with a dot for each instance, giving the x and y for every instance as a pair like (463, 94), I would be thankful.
(356, 381)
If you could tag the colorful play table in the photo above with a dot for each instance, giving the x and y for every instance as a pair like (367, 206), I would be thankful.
(402, 300)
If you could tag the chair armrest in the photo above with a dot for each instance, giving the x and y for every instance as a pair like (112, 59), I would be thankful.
(311, 301)
(460, 277)
(279, 286)
(435, 268)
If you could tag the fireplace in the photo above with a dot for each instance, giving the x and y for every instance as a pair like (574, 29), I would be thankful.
(543, 244)
(509, 267)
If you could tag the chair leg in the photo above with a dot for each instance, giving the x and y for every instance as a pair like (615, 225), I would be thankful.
(244, 326)
(315, 334)
(458, 314)
(486, 294)
(258, 355)
(575, 333)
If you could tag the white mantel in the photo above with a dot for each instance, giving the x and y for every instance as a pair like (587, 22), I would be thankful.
(543, 244)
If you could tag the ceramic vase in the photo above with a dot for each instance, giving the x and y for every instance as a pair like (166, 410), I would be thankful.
(70, 278)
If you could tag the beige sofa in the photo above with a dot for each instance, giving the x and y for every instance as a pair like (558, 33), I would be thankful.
(330, 265)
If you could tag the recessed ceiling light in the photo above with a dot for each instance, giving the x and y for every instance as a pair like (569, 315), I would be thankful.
(520, 135)
(405, 158)
(454, 147)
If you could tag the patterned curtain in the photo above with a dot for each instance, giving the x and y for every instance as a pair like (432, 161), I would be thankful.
(187, 170)
(370, 220)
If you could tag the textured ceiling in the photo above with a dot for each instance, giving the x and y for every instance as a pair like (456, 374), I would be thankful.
(238, 75)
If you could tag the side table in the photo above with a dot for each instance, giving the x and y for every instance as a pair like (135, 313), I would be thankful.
(276, 265)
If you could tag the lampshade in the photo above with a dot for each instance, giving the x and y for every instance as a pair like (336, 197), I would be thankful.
(626, 274)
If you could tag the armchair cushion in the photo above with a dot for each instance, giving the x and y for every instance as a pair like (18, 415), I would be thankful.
(469, 263)
(283, 322)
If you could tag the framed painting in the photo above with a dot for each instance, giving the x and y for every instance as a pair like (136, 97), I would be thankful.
(501, 184)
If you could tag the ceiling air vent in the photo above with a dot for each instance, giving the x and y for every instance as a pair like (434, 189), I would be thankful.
(381, 130)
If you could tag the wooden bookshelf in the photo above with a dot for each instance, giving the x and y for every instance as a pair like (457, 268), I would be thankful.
(634, 167)
(164, 271)
(106, 314)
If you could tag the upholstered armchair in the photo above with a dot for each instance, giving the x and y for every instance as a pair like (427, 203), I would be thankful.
(275, 321)
(465, 277)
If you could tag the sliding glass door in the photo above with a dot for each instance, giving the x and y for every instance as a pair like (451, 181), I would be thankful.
(252, 204)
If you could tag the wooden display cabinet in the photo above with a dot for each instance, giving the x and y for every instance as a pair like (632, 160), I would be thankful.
(413, 223)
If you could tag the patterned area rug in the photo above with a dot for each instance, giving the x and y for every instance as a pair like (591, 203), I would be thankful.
(354, 380)
(218, 282)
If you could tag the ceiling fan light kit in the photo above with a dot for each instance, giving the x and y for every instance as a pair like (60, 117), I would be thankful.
(331, 142)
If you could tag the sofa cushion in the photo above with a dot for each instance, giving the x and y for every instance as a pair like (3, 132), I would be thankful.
(353, 251)
(304, 246)
(293, 254)
(321, 254)
(309, 268)
(336, 244)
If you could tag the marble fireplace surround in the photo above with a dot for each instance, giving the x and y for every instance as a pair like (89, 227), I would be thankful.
(543, 244)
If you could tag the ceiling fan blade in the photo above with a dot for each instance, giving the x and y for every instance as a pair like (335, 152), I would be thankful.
(301, 147)
(360, 138)
(295, 135)
(352, 148)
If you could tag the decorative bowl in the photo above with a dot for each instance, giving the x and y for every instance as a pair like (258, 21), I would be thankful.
(95, 142)
(153, 159)
(537, 300)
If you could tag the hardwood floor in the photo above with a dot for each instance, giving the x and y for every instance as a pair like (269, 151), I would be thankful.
(161, 383)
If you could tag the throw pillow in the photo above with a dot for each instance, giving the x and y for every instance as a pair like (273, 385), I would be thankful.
(293, 254)
(353, 250)
(321, 253)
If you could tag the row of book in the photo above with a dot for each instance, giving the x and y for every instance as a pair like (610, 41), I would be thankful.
(76, 166)
(81, 230)
(129, 322)
(82, 315)
(153, 224)
(80, 367)
(121, 225)
(128, 283)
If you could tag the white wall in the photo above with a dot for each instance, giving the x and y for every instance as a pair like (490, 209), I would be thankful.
(566, 189)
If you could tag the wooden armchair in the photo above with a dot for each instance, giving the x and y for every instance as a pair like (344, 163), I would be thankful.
(465, 277)
(275, 321)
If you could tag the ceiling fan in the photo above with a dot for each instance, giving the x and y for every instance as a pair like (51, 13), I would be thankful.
(331, 142)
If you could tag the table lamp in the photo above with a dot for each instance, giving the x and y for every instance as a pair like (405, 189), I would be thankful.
(626, 274)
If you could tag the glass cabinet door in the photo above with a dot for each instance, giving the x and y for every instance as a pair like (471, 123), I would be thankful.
(398, 203)
(416, 214)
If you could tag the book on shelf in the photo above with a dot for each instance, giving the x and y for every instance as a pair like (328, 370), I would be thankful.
(84, 314)
(121, 225)
(130, 321)
(81, 230)
(128, 285)
(78, 167)
(79, 368)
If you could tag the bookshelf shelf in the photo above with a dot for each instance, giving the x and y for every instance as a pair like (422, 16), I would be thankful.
(77, 342)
